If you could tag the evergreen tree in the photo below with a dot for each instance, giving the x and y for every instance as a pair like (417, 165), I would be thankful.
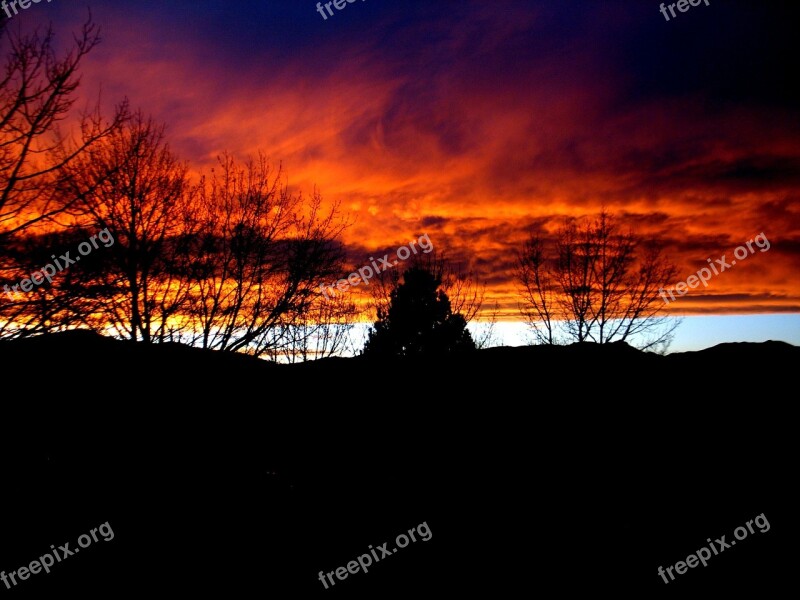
(418, 321)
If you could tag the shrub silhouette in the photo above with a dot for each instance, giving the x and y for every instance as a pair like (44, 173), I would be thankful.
(418, 321)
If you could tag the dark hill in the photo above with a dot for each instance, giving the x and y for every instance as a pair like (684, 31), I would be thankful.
(580, 467)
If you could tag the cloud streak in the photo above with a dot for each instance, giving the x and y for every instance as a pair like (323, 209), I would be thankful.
(475, 122)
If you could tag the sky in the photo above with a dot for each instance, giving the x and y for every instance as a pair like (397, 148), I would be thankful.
(476, 122)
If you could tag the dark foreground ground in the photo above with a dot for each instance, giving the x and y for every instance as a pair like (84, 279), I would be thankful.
(573, 469)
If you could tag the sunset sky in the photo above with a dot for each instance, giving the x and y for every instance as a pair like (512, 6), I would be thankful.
(475, 121)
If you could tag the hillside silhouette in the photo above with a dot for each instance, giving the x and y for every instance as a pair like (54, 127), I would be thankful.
(216, 468)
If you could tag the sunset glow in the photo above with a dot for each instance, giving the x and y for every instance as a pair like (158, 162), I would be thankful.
(475, 122)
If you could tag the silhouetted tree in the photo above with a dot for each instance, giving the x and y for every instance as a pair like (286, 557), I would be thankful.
(259, 258)
(599, 284)
(466, 294)
(324, 329)
(538, 290)
(134, 186)
(60, 301)
(37, 91)
(418, 320)
(232, 264)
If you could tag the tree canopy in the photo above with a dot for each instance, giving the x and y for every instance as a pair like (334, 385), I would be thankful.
(419, 320)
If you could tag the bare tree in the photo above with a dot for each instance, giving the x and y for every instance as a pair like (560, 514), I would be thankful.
(134, 186)
(641, 314)
(37, 92)
(576, 255)
(538, 290)
(54, 302)
(599, 284)
(484, 331)
(324, 330)
(259, 258)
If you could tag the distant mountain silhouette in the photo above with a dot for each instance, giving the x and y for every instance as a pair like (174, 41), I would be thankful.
(579, 467)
